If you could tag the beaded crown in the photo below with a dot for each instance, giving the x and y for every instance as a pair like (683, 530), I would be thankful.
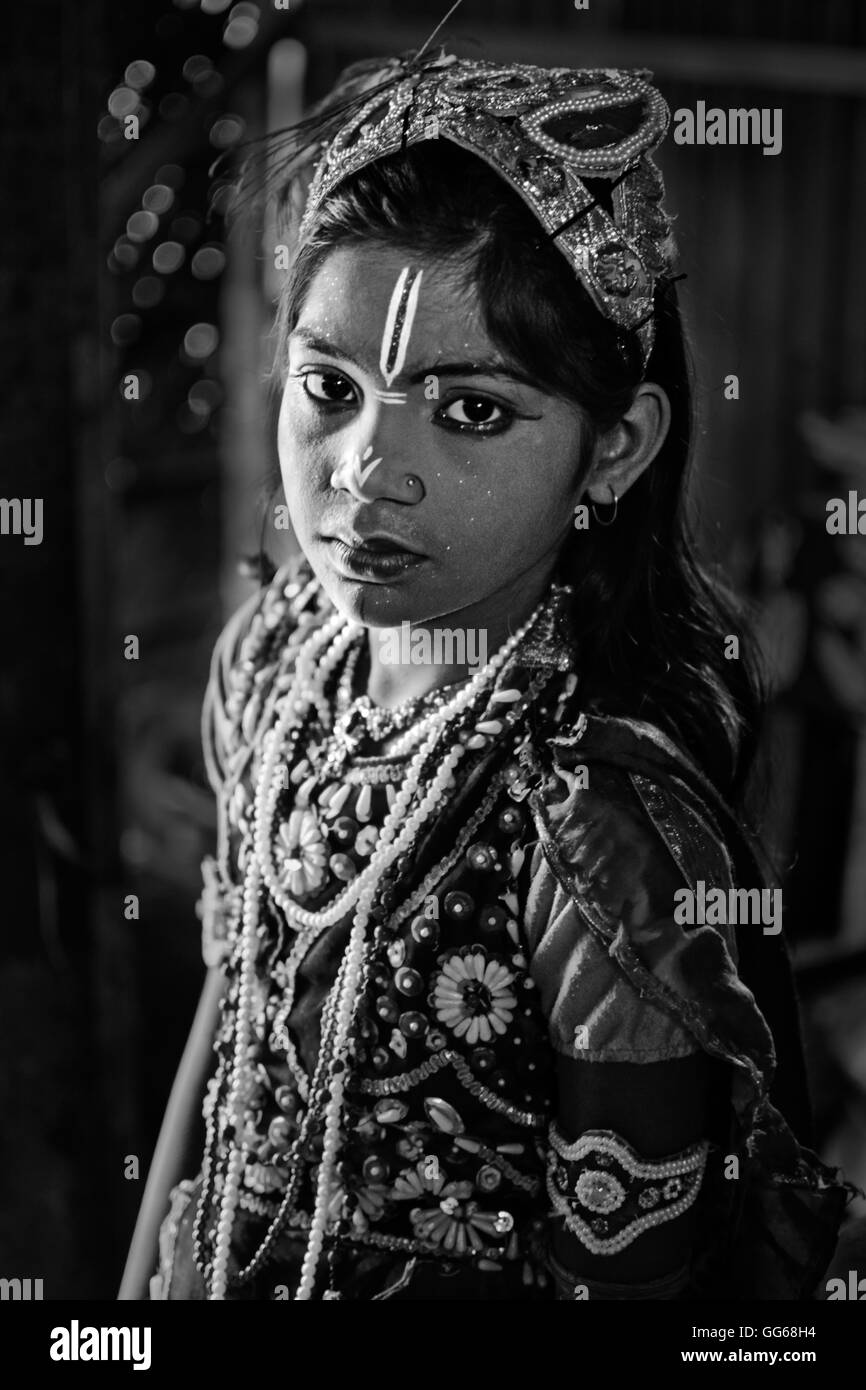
(545, 131)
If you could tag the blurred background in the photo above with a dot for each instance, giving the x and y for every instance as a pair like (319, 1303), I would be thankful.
(134, 340)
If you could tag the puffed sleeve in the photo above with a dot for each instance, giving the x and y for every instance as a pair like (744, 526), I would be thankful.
(638, 1099)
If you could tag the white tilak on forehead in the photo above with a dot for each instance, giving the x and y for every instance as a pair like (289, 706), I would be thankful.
(398, 331)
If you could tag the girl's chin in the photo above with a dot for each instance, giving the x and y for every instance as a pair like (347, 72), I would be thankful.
(386, 602)
(371, 604)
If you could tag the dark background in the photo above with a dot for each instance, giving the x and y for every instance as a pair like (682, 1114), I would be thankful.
(150, 504)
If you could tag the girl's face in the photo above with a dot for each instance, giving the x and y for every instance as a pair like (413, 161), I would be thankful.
(425, 476)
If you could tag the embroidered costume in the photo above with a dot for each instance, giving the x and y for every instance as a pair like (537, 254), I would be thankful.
(465, 1050)
(523, 948)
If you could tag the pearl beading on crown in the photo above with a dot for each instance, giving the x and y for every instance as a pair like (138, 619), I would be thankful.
(503, 114)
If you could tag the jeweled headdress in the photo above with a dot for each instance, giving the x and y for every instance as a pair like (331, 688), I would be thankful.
(546, 131)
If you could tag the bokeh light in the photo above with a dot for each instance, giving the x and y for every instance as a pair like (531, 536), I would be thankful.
(201, 341)
(215, 6)
(139, 74)
(207, 84)
(125, 329)
(125, 253)
(122, 102)
(226, 131)
(195, 65)
(168, 257)
(204, 396)
(108, 130)
(242, 26)
(202, 76)
(147, 292)
(141, 226)
(158, 198)
(208, 262)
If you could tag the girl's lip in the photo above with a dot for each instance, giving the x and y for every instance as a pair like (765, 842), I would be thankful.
(380, 561)
(380, 543)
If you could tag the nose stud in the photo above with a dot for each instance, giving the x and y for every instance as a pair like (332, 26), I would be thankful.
(353, 471)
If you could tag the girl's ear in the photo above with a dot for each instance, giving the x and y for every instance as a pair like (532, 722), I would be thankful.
(624, 452)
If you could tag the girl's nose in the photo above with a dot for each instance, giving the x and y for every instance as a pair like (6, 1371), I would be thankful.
(369, 477)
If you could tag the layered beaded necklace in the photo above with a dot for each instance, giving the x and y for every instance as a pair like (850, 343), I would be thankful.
(380, 724)
(473, 716)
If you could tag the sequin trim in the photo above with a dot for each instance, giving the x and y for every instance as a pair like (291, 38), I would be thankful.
(688, 840)
(393, 1085)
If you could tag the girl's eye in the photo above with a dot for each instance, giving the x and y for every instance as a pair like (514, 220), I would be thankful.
(331, 388)
(475, 413)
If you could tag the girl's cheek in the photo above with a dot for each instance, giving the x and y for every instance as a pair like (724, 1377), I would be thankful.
(307, 470)
(300, 434)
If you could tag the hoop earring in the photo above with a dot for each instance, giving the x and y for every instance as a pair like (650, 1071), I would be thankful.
(615, 504)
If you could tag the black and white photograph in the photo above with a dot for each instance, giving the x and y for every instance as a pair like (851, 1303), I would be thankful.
(433, 573)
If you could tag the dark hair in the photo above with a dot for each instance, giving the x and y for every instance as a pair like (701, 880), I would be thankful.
(651, 626)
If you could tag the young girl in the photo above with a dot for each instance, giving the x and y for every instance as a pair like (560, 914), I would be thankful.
(479, 756)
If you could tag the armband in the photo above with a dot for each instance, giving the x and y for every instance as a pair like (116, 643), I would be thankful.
(607, 1195)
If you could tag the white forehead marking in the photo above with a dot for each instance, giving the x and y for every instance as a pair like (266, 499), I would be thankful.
(398, 324)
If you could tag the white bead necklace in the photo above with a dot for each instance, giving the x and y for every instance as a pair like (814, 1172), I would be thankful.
(307, 691)
(271, 784)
